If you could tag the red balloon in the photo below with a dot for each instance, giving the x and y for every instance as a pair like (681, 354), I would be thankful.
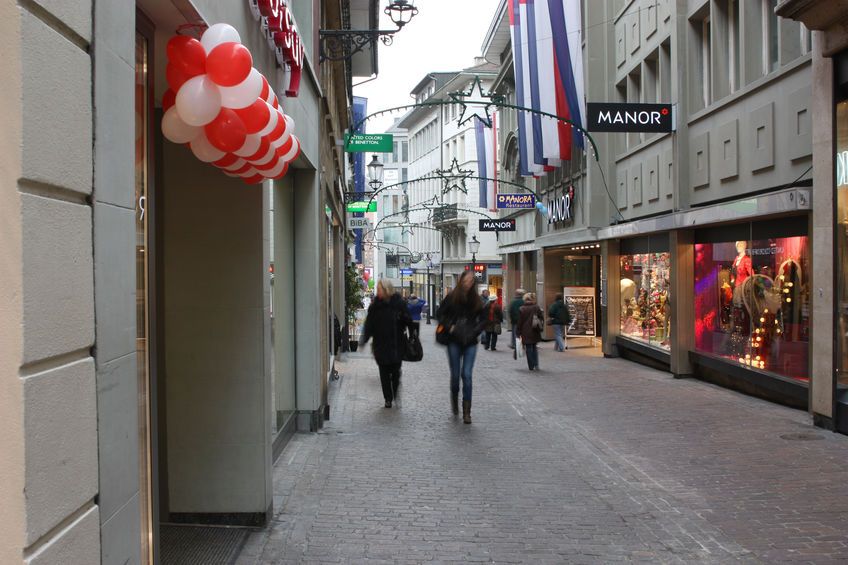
(229, 64)
(268, 166)
(226, 160)
(278, 131)
(255, 179)
(255, 116)
(187, 54)
(226, 132)
(266, 88)
(168, 99)
(175, 77)
(284, 148)
(264, 145)
(243, 169)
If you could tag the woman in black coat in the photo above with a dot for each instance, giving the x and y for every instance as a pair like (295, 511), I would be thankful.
(387, 322)
(531, 333)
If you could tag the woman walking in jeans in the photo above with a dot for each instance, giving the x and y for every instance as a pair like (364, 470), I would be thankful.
(461, 313)
(531, 321)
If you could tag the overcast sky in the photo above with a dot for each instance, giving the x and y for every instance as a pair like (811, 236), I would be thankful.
(446, 35)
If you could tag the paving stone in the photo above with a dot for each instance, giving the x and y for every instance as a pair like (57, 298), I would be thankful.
(589, 460)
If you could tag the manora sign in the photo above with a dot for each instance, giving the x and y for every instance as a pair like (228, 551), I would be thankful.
(511, 201)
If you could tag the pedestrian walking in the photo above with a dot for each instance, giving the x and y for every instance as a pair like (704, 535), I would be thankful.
(387, 322)
(415, 306)
(493, 314)
(530, 325)
(560, 318)
(461, 315)
(514, 307)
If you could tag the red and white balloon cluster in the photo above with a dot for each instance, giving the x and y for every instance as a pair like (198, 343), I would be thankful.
(224, 108)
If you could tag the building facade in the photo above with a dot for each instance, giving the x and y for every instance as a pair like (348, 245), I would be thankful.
(690, 250)
(149, 364)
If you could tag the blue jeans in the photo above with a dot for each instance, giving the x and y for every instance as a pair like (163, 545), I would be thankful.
(559, 331)
(532, 355)
(461, 361)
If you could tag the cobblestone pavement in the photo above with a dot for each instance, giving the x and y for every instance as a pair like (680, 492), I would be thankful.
(589, 460)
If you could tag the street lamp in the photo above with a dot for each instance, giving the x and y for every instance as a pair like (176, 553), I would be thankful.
(375, 173)
(343, 44)
(474, 247)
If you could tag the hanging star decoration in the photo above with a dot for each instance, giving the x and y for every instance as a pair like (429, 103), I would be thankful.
(479, 105)
(454, 177)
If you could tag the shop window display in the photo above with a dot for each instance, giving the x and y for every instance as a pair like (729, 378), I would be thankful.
(752, 303)
(645, 298)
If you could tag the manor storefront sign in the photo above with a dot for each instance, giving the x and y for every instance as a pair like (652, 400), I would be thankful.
(513, 201)
(497, 225)
(280, 29)
(561, 207)
(629, 118)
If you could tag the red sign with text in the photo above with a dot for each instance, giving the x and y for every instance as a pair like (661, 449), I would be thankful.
(283, 37)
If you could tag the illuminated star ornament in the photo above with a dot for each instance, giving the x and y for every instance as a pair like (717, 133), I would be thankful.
(454, 177)
(479, 106)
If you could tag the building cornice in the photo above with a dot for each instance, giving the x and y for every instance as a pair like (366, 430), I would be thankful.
(828, 16)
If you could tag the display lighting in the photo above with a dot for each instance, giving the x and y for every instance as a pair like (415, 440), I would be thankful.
(224, 109)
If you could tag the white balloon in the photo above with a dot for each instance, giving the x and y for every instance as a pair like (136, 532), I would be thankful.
(293, 151)
(244, 93)
(204, 150)
(218, 34)
(284, 137)
(265, 159)
(289, 123)
(275, 172)
(270, 98)
(251, 146)
(235, 166)
(198, 101)
(273, 118)
(175, 129)
(249, 173)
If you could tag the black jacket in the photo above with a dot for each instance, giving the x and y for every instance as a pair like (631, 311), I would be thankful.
(450, 313)
(528, 333)
(386, 323)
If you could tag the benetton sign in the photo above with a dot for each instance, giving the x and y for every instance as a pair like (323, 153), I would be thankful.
(376, 142)
(629, 118)
(497, 225)
(281, 32)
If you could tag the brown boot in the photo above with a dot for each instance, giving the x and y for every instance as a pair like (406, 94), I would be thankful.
(466, 411)
(455, 402)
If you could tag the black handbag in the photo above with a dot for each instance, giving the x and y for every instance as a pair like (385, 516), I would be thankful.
(413, 351)
(442, 335)
(465, 332)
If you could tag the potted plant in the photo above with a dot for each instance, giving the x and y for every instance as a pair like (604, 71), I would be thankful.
(353, 302)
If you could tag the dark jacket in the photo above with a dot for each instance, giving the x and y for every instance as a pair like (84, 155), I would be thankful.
(386, 323)
(493, 315)
(559, 314)
(514, 308)
(415, 307)
(526, 330)
(450, 313)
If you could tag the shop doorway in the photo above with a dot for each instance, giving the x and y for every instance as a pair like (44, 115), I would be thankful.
(575, 273)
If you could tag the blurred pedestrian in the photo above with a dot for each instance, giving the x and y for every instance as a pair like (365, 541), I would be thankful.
(415, 305)
(514, 307)
(560, 318)
(493, 314)
(531, 322)
(387, 322)
(461, 314)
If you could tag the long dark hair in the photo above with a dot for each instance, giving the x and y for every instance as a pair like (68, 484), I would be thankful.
(468, 299)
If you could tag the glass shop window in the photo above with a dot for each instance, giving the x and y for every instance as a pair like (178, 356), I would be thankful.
(646, 291)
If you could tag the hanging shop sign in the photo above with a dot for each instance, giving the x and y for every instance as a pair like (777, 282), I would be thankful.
(370, 142)
(358, 223)
(406, 272)
(362, 206)
(561, 208)
(629, 118)
(497, 225)
(513, 201)
(224, 109)
(278, 25)
(479, 271)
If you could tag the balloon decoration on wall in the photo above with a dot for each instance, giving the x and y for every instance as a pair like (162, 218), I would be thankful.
(224, 109)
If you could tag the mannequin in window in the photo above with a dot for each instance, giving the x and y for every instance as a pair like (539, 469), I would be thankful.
(739, 272)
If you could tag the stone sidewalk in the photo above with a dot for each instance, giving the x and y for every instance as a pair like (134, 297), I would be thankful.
(589, 460)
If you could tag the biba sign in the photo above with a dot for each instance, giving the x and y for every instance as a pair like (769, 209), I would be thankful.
(629, 118)
(561, 209)
(281, 32)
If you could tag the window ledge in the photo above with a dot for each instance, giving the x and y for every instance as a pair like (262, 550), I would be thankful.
(758, 84)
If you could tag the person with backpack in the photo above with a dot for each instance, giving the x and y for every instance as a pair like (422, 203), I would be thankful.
(461, 320)
(387, 322)
(493, 314)
(531, 322)
(560, 318)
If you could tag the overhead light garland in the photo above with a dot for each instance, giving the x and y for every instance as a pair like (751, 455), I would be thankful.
(453, 177)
